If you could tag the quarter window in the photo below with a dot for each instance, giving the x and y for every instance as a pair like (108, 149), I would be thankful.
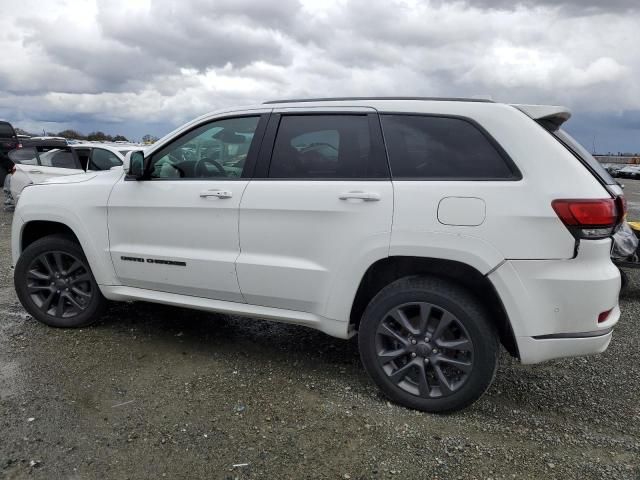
(441, 148)
(217, 149)
(325, 147)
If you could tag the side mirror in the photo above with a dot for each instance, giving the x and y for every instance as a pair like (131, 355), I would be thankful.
(134, 164)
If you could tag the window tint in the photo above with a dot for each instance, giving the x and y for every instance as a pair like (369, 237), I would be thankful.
(217, 149)
(440, 148)
(325, 146)
(58, 158)
(6, 130)
(102, 159)
(25, 156)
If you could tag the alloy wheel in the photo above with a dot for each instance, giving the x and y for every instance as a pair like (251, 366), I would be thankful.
(59, 284)
(424, 350)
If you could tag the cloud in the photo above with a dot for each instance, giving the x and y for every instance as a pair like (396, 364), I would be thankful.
(584, 7)
(162, 62)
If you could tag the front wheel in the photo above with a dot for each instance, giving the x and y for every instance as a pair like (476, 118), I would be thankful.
(55, 285)
(428, 345)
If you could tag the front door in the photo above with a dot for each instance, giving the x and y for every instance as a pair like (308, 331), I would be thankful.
(177, 231)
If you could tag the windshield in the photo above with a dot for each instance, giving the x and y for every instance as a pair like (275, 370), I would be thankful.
(584, 155)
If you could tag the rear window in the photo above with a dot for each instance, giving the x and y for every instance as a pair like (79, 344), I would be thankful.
(583, 155)
(24, 156)
(442, 148)
(6, 130)
(58, 159)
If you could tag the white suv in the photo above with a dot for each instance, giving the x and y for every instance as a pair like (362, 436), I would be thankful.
(436, 229)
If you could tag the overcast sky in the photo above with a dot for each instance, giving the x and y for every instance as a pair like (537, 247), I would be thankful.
(146, 66)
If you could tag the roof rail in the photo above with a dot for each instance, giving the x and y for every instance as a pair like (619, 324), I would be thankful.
(339, 99)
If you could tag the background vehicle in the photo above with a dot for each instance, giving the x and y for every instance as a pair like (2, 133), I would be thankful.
(614, 168)
(431, 227)
(629, 171)
(8, 141)
(41, 160)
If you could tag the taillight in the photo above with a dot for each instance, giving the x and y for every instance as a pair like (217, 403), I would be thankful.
(13, 170)
(589, 218)
(19, 146)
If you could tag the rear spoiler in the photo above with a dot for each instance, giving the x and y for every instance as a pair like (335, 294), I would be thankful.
(554, 114)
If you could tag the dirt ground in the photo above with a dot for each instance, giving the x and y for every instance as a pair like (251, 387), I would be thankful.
(157, 392)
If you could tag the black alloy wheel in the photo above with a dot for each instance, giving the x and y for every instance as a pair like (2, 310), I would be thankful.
(55, 284)
(428, 344)
(424, 349)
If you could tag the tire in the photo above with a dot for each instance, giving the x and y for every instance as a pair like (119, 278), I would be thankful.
(463, 351)
(70, 300)
(624, 280)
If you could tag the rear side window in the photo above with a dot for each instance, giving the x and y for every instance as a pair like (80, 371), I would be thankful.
(325, 147)
(442, 148)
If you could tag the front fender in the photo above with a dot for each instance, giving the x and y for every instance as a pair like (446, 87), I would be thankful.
(82, 207)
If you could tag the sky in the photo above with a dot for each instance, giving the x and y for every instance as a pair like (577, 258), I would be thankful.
(137, 67)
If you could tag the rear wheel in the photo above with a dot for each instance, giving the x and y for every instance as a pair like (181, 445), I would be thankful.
(55, 285)
(428, 345)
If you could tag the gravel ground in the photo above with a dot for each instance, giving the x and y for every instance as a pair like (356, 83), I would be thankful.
(153, 392)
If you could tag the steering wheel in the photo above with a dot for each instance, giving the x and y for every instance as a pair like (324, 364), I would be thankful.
(199, 171)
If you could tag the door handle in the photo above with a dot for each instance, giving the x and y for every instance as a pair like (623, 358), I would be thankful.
(216, 193)
(366, 196)
(34, 171)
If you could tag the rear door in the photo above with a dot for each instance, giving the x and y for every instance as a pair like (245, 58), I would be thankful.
(318, 210)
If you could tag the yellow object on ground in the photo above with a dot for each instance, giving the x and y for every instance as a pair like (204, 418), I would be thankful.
(635, 226)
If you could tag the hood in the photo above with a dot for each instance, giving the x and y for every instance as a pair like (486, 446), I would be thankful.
(75, 178)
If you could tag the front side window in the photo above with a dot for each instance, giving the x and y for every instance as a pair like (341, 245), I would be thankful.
(216, 150)
(441, 148)
(102, 159)
(325, 147)
(58, 158)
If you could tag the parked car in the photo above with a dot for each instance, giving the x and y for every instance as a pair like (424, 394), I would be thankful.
(8, 141)
(430, 227)
(630, 171)
(614, 168)
(42, 160)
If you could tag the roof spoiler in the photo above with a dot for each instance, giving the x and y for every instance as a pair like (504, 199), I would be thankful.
(553, 114)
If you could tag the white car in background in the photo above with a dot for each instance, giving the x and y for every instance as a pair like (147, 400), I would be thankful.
(45, 161)
(630, 171)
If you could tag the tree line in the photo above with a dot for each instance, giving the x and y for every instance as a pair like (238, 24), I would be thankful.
(93, 136)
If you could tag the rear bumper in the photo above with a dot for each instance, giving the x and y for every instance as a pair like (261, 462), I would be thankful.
(553, 305)
(548, 347)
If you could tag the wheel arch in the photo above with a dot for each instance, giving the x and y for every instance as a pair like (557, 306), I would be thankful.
(37, 229)
(387, 270)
